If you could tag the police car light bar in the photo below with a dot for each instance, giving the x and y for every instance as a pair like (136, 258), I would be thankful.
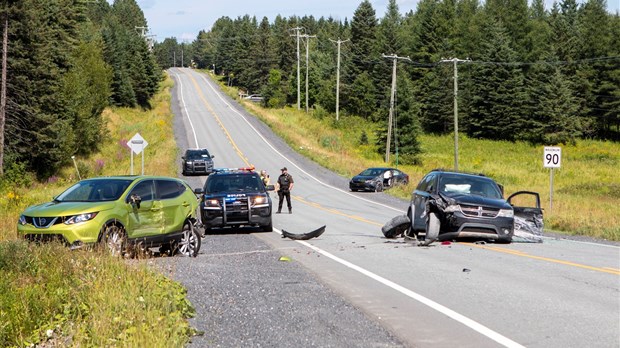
(242, 169)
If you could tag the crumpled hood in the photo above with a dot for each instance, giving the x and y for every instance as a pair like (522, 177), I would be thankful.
(67, 208)
(459, 198)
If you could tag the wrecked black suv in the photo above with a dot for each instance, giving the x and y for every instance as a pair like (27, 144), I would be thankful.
(235, 197)
(448, 205)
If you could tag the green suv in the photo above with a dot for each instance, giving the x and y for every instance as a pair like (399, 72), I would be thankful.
(120, 212)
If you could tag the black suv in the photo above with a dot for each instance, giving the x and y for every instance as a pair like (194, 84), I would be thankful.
(197, 161)
(448, 205)
(235, 197)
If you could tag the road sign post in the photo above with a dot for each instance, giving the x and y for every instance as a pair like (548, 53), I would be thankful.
(137, 145)
(552, 158)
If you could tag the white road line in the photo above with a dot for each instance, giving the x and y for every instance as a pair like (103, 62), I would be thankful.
(474, 325)
(191, 124)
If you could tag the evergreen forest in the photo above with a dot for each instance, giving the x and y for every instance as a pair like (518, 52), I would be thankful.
(63, 62)
(515, 71)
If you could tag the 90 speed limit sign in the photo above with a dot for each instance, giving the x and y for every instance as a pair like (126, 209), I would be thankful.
(552, 157)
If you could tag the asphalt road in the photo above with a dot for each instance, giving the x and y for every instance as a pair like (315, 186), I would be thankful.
(353, 288)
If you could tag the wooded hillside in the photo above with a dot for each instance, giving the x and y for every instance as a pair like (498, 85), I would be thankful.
(547, 76)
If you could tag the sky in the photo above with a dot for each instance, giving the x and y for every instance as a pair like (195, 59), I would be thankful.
(183, 19)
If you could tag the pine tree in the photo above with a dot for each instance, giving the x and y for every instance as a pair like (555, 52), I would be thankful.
(389, 42)
(595, 42)
(360, 96)
(261, 59)
(39, 120)
(497, 92)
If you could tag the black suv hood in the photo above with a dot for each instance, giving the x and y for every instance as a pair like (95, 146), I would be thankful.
(460, 198)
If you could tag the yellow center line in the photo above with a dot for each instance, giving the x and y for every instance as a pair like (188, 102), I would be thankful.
(562, 262)
(232, 142)
(336, 212)
(359, 218)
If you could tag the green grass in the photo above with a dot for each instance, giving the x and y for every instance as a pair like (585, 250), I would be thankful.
(86, 298)
(586, 190)
(54, 297)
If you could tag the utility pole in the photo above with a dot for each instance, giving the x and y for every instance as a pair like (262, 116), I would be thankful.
(394, 58)
(338, 77)
(455, 61)
(308, 37)
(297, 29)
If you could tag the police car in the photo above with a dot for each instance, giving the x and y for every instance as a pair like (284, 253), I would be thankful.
(235, 197)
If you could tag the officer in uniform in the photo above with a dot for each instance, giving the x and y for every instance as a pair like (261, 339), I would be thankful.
(285, 185)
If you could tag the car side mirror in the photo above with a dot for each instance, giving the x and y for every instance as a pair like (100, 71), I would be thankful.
(135, 200)
(198, 191)
(212, 156)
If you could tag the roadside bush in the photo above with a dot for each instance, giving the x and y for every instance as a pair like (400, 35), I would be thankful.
(320, 112)
(15, 175)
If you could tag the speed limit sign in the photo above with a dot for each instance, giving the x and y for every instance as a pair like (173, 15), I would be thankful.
(552, 157)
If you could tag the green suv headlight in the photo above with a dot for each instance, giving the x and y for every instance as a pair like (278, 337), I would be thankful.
(22, 220)
(79, 218)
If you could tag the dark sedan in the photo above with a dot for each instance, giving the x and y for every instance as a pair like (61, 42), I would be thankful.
(197, 161)
(378, 179)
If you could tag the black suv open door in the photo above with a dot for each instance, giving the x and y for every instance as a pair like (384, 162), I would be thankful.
(528, 216)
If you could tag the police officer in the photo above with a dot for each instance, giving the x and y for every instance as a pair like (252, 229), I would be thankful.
(285, 185)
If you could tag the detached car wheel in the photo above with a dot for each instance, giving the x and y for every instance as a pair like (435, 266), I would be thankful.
(190, 241)
(396, 226)
(114, 239)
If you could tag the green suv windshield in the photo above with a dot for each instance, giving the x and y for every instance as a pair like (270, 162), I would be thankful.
(95, 190)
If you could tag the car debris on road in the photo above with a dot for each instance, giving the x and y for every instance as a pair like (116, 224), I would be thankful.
(304, 236)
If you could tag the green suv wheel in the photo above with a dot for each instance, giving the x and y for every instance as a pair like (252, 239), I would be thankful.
(114, 239)
(190, 242)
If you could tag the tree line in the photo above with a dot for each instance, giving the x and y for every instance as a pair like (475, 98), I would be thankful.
(523, 72)
(66, 60)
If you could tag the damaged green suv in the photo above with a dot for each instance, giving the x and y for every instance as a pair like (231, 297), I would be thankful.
(120, 212)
